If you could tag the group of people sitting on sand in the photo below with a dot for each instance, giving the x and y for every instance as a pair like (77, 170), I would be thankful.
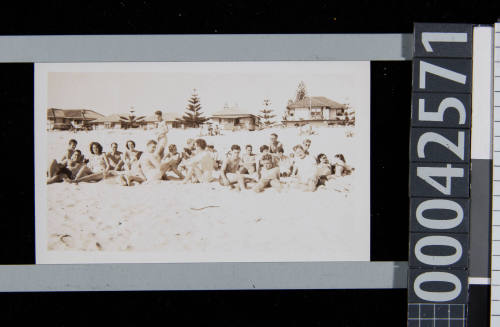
(200, 163)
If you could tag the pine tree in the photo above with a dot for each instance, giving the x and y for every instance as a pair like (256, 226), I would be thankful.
(267, 113)
(301, 91)
(193, 117)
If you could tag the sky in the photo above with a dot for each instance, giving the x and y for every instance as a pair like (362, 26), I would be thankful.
(116, 87)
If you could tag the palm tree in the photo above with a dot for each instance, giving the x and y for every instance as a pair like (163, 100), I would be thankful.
(132, 121)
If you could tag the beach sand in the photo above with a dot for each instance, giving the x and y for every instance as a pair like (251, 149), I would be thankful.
(175, 222)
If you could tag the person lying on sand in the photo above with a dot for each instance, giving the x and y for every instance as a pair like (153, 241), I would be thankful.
(248, 161)
(324, 166)
(230, 172)
(96, 169)
(305, 170)
(114, 157)
(325, 169)
(68, 171)
(200, 166)
(340, 166)
(57, 172)
(172, 160)
(269, 175)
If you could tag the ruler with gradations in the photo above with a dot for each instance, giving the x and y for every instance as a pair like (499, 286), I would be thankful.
(495, 230)
(440, 152)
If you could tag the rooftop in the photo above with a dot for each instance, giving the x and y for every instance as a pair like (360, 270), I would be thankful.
(231, 113)
(85, 114)
(307, 102)
(167, 116)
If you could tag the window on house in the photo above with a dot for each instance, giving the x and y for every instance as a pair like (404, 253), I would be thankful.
(236, 121)
(316, 113)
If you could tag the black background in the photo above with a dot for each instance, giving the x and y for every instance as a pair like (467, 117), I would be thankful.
(391, 91)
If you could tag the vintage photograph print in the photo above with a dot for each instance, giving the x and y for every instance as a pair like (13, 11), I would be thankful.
(202, 162)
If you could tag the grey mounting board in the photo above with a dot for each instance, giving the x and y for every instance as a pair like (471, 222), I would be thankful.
(204, 276)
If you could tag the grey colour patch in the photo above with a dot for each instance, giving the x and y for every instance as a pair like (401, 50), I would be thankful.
(203, 276)
(185, 48)
(480, 222)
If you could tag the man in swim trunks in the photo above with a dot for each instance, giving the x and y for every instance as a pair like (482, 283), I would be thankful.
(230, 171)
(71, 148)
(275, 144)
(172, 160)
(269, 175)
(248, 161)
(305, 169)
(151, 165)
(114, 157)
(201, 165)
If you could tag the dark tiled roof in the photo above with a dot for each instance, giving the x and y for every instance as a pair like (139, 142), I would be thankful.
(73, 113)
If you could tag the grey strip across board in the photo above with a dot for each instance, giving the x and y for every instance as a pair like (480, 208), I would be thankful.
(151, 48)
(202, 276)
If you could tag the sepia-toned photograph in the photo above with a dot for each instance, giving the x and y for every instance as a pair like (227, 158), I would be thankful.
(202, 162)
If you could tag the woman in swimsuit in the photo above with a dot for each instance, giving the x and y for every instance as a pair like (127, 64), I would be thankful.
(96, 169)
(131, 156)
(132, 165)
(340, 166)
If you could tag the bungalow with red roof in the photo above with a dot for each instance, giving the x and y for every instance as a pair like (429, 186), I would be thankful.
(234, 119)
(316, 111)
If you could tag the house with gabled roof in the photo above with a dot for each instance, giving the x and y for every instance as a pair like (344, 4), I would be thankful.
(172, 120)
(231, 118)
(69, 118)
(110, 121)
(316, 111)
